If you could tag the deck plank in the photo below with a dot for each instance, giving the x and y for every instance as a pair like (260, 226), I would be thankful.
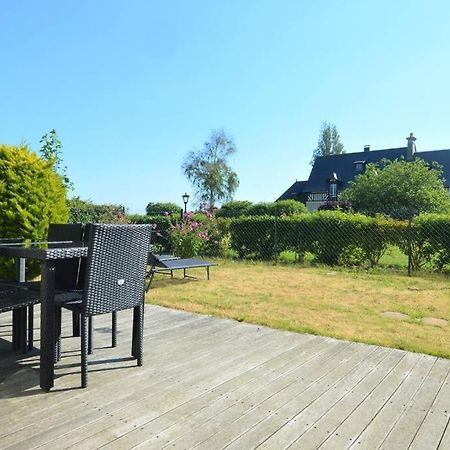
(210, 383)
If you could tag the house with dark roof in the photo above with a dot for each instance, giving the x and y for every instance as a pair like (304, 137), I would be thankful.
(331, 174)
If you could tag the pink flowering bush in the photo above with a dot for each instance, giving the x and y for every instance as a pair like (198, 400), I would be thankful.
(188, 238)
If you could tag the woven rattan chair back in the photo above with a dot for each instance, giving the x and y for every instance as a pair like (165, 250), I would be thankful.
(66, 271)
(115, 267)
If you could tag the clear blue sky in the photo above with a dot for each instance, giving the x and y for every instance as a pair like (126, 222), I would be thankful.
(131, 86)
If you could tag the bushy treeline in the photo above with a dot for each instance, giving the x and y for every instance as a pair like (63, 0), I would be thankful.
(244, 208)
(329, 237)
(85, 211)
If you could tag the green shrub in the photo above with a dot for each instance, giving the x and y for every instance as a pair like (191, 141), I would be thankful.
(435, 228)
(162, 209)
(31, 197)
(85, 211)
(288, 208)
(188, 237)
(262, 209)
(333, 237)
(430, 241)
(254, 237)
(161, 226)
(234, 209)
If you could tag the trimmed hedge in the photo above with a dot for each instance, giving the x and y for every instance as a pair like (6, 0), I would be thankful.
(430, 241)
(237, 209)
(333, 237)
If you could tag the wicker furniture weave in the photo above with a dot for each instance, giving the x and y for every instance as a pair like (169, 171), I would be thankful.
(66, 276)
(114, 281)
(11, 301)
(17, 300)
(48, 257)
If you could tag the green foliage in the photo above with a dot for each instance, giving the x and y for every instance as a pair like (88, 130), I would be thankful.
(333, 237)
(289, 208)
(435, 229)
(188, 237)
(162, 209)
(218, 232)
(32, 197)
(262, 209)
(234, 209)
(51, 151)
(244, 208)
(400, 188)
(161, 226)
(254, 237)
(85, 211)
(329, 142)
(280, 208)
(213, 179)
(427, 241)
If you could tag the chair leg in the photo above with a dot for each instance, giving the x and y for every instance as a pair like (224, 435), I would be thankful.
(58, 319)
(134, 333)
(15, 329)
(75, 324)
(140, 335)
(84, 351)
(90, 335)
(30, 327)
(114, 329)
(23, 330)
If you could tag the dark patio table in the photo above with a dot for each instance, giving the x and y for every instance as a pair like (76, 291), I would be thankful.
(48, 253)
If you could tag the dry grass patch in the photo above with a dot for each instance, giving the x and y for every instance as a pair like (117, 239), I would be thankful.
(341, 304)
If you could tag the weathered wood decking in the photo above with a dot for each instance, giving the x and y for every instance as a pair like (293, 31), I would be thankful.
(209, 383)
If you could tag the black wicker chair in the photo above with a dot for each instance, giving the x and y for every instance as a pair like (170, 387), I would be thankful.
(114, 281)
(71, 298)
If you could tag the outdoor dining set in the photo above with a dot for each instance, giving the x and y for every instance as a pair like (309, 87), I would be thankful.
(88, 269)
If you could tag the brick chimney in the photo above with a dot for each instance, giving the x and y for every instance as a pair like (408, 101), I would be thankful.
(366, 148)
(411, 150)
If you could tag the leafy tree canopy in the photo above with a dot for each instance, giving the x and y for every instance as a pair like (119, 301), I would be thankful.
(162, 208)
(234, 208)
(51, 151)
(207, 169)
(329, 142)
(400, 188)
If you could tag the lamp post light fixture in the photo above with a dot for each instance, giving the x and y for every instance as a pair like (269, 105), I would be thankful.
(185, 198)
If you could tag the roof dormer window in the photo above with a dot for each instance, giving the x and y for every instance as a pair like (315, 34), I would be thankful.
(332, 190)
(359, 166)
(332, 186)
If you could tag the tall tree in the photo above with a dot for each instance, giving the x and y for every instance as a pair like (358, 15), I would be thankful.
(51, 151)
(329, 142)
(399, 188)
(207, 169)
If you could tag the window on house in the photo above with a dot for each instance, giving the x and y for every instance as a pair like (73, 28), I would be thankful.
(359, 166)
(332, 191)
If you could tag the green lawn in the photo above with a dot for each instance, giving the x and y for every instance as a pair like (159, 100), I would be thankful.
(324, 301)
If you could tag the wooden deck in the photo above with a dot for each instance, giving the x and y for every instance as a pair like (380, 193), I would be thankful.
(210, 383)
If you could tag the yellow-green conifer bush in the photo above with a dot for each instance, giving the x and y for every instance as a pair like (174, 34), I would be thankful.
(32, 196)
